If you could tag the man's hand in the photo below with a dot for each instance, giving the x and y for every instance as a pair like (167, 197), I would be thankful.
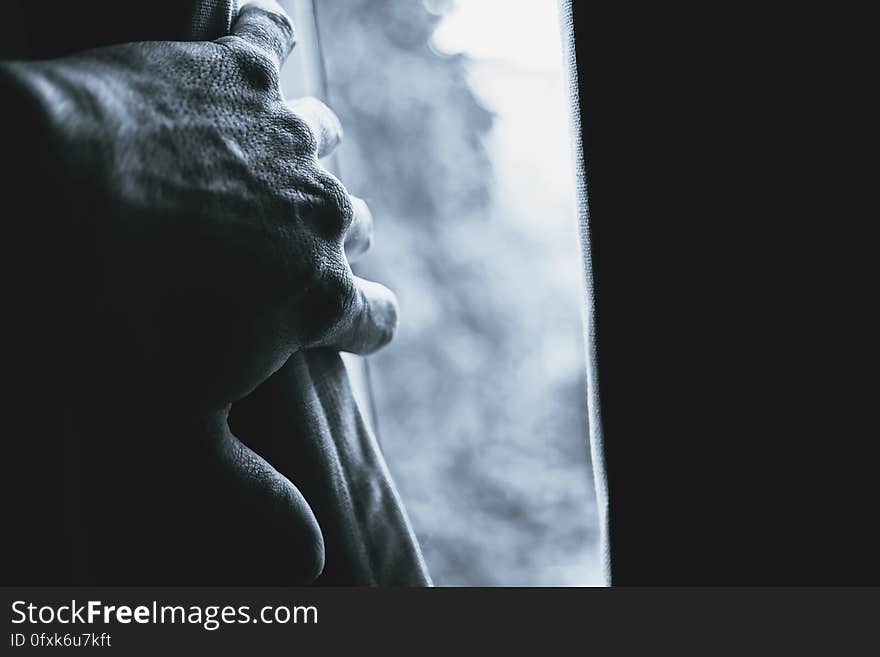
(227, 239)
(183, 242)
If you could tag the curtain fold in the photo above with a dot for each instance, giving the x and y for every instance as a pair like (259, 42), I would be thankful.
(589, 307)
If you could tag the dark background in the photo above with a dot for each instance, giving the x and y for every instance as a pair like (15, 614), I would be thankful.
(730, 251)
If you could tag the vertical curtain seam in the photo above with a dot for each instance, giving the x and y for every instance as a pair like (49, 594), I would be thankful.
(588, 307)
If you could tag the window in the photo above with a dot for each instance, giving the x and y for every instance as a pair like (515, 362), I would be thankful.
(456, 120)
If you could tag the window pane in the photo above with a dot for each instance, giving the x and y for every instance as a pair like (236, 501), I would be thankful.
(456, 124)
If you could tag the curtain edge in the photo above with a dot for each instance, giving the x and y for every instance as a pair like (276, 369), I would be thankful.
(589, 306)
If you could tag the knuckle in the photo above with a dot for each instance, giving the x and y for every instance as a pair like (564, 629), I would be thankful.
(254, 65)
(339, 204)
(324, 119)
(332, 208)
(300, 133)
(329, 300)
(267, 17)
(282, 23)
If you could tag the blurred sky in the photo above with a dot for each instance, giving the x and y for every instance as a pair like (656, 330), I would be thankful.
(515, 67)
(524, 32)
(467, 165)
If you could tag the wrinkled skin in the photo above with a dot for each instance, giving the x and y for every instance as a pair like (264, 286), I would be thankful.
(222, 217)
(218, 247)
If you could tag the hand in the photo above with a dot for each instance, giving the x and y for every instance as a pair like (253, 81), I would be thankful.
(207, 245)
(222, 237)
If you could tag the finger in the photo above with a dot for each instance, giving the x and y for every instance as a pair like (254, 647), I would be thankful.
(286, 543)
(266, 26)
(322, 122)
(370, 322)
(359, 235)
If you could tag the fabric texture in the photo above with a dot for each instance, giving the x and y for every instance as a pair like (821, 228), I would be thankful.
(589, 307)
(305, 421)
(210, 18)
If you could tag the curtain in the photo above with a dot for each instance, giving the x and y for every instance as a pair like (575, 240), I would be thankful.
(589, 307)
